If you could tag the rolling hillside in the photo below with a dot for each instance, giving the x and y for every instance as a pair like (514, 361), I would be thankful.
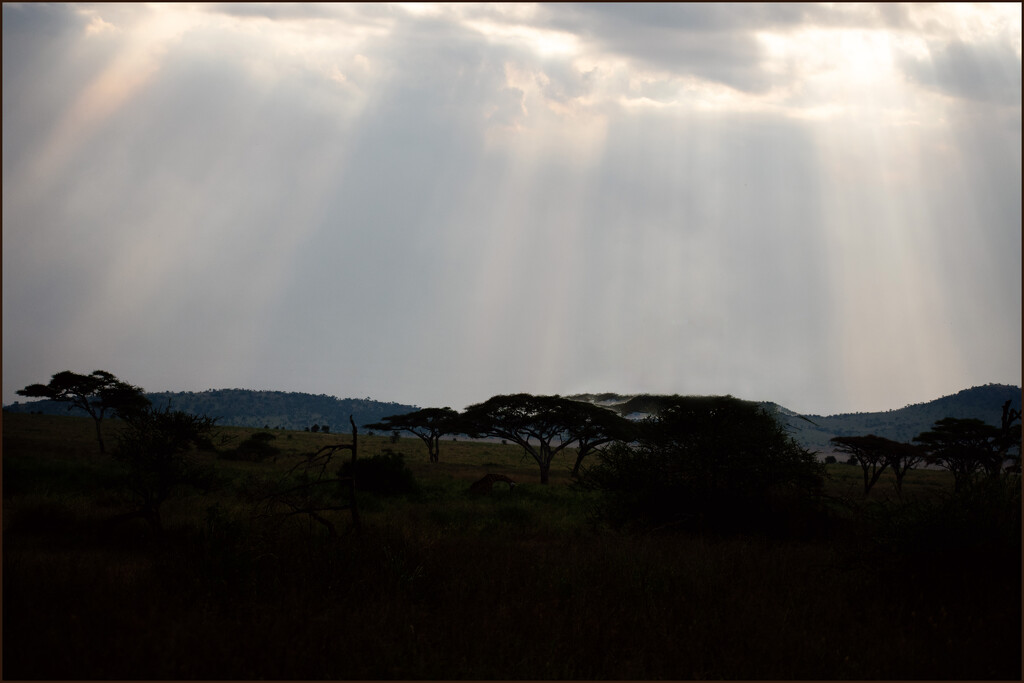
(814, 431)
(248, 408)
(292, 410)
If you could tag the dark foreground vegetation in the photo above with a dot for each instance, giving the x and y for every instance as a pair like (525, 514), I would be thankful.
(557, 581)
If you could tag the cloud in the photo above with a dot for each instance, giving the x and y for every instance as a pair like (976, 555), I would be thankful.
(434, 204)
(985, 72)
(709, 41)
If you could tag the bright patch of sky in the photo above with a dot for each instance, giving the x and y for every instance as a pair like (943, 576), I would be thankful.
(817, 205)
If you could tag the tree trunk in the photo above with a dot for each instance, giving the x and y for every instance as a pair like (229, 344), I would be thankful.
(544, 468)
(579, 461)
(99, 435)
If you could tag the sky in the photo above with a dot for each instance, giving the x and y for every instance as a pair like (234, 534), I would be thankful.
(817, 205)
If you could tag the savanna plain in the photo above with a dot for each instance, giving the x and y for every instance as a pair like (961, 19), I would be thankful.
(523, 583)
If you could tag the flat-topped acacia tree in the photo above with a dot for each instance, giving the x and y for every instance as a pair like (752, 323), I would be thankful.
(537, 423)
(543, 425)
(593, 427)
(95, 393)
(429, 424)
(963, 446)
(871, 453)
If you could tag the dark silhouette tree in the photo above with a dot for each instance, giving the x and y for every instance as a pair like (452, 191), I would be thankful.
(963, 446)
(902, 457)
(876, 453)
(869, 452)
(540, 424)
(429, 424)
(1008, 442)
(312, 487)
(95, 393)
(593, 427)
(706, 459)
(156, 450)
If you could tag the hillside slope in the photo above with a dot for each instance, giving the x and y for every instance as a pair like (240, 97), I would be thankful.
(292, 410)
(249, 408)
(814, 431)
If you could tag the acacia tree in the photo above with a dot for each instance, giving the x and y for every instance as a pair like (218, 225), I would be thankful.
(594, 426)
(95, 393)
(963, 446)
(429, 424)
(901, 458)
(869, 451)
(540, 424)
(875, 453)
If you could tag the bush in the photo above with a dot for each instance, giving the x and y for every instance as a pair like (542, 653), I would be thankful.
(710, 463)
(155, 450)
(256, 448)
(983, 517)
(385, 474)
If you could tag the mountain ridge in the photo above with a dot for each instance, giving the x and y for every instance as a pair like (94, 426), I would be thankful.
(257, 408)
(814, 431)
(299, 410)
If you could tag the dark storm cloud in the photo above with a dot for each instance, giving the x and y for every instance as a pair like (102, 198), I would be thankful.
(39, 81)
(985, 72)
(715, 42)
(33, 22)
(287, 10)
(369, 14)
(710, 41)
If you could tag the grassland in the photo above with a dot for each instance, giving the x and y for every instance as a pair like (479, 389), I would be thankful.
(441, 585)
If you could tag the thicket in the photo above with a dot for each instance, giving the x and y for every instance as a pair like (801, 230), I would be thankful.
(385, 474)
(707, 463)
(255, 448)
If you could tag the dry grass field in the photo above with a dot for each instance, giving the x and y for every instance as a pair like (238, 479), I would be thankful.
(527, 585)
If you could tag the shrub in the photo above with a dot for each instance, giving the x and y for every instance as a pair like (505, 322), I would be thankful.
(254, 449)
(385, 474)
(156, 451)
(983, 517)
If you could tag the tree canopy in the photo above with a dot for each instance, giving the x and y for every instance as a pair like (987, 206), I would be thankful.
(543, 425)
(95, 393)
(964, 447)
(869, 452)
(429, 424)
(593, 427)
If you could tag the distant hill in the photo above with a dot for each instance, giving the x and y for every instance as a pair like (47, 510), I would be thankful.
(292, 410)
(249, 408)
(814, 431)
(983, 403)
